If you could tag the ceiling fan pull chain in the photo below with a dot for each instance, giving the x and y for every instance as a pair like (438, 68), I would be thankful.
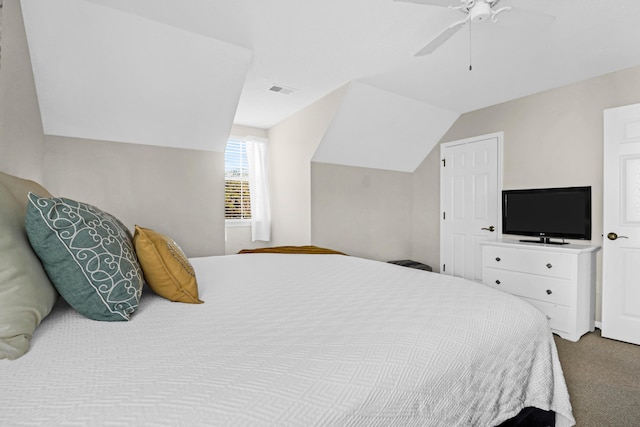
(470, 25)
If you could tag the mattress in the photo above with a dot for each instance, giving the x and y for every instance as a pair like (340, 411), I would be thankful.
(294, 340)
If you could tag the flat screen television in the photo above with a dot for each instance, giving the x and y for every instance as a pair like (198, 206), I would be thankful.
(563, 213)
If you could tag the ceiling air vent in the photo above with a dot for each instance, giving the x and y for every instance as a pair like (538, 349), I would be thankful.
(282, 89)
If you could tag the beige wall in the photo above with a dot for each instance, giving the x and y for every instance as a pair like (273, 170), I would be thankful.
(360, 211)
(240, 131)
(292, 144)
(178, 192)
(554, 138)
(21, 137)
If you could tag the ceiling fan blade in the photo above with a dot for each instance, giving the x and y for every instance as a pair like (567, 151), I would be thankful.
(442, 3)
(442, 37)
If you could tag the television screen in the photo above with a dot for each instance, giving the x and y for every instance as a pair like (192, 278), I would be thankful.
(548, 212)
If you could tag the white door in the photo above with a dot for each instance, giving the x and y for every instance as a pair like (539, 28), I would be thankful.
(621, 222)
(470, 181)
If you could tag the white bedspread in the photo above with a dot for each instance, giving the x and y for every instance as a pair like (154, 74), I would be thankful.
(294, 340)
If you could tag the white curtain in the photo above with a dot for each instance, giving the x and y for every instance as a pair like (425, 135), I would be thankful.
(259, 189)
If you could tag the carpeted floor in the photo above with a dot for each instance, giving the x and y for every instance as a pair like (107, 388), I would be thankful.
(603, 377)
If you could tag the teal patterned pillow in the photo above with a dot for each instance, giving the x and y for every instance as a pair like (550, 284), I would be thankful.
(88, 255)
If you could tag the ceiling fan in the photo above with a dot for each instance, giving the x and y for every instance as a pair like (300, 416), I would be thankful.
(476, 11)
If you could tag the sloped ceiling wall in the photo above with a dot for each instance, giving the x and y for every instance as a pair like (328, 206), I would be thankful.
(378, 129)
(109, 74)
(104, 74)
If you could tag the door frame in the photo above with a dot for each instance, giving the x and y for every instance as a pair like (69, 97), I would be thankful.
(499, 176)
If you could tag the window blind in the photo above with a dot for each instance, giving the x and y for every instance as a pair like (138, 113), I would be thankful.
(237, 203)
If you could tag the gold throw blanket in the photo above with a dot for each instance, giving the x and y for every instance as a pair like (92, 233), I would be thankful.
(291, 250)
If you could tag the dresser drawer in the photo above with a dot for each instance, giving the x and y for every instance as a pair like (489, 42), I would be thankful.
(547, 289)
(559, 316)
(552, 264)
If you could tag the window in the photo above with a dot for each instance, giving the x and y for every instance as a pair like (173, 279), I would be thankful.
(247, 186)
(237, 201)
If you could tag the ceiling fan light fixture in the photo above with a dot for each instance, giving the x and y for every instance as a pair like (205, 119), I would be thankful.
(481, 11)
(475, 10)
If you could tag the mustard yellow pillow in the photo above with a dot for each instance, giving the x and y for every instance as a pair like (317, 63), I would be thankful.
(165, 267)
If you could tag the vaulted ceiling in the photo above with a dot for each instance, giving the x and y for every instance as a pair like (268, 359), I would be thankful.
(179, 73)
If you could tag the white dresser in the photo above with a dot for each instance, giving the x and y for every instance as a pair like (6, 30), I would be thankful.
(560, 280)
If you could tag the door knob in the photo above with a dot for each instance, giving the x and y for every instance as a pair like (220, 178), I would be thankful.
(614, 236)
(491, 228)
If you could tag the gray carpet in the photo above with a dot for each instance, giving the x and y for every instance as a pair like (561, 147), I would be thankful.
(603, 377)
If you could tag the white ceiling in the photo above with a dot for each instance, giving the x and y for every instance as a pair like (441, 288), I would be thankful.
(314, 47)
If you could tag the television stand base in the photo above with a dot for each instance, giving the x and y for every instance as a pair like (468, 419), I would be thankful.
(545, 241)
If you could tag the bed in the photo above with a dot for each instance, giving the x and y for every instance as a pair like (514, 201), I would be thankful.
(293, 340)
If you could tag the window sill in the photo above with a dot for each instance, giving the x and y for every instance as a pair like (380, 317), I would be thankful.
(237, 223)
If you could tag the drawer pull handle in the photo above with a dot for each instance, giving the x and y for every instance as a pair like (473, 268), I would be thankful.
(498, 258)
(497, 282)
(549, 265)
(549, 292)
